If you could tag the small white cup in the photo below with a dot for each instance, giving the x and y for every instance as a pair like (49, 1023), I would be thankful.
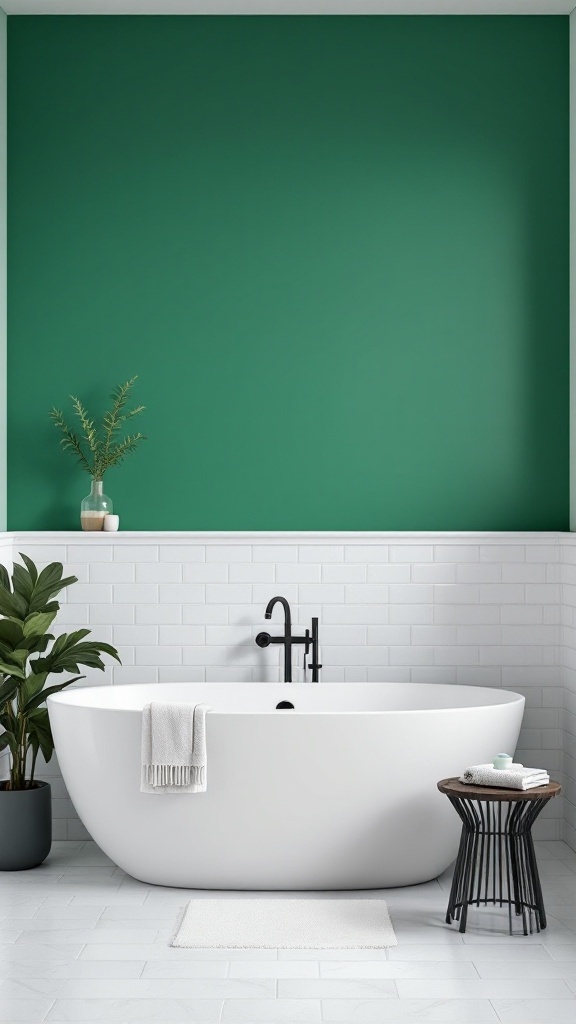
(111, 523)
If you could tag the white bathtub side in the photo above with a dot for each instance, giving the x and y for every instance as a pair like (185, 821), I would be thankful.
(304, 801)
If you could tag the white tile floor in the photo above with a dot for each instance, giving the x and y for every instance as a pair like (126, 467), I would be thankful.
(82, 941)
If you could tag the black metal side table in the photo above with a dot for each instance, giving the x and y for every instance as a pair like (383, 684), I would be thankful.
(496, 862)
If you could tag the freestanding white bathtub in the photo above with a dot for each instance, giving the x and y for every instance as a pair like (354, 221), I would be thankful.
(339, 793)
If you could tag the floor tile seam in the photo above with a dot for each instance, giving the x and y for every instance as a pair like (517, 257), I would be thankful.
(49, 1010)
(558, 983)
(498, 1017)
(418, 999)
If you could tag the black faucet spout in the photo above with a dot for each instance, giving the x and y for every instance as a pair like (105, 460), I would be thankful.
(287, 638)
(287, 614)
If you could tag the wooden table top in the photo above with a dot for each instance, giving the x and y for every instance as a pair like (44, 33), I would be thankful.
(453, 787)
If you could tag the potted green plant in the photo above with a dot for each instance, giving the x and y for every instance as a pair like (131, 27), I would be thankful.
(29, 654)
(99, 448)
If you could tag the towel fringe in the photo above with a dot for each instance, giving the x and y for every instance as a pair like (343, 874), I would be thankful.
(174, 774)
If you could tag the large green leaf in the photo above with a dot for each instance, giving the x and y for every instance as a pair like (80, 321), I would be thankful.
(39, 715)
(10, 632)
(87, 654)
(41, 697)
(41, 596)
(30, 566)
(49, 663)
(12, 670)
(8, 740)
(67, 640)
(69, 652)
(19, 656)
(39, 645)
(4, 578)
(5, 650)
(22, 582)
(32, 685)
(14, 663)
(12, 604)
(32, 643)
(40, 732)
(37, 623)
(32, 589)
(49, 583)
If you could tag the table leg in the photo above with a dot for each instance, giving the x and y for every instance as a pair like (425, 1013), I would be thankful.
(496, 855)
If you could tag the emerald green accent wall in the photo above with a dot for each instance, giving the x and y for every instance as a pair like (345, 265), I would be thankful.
(335, 250)
(3, 262)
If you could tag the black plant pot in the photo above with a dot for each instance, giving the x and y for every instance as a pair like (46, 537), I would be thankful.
(25, 827)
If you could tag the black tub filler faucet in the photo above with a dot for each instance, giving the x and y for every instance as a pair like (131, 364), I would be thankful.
(309, 640)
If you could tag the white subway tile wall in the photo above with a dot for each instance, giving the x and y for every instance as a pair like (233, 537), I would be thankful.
(484, 610)
(568, 699)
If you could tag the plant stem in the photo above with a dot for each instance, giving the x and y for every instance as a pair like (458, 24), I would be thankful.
(21, 758)
(34, 756)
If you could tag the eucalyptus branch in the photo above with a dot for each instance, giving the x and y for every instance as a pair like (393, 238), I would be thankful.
(87, 424)
(70, 441)
(113, 419)
(105, 447)
(128, 445)
(133, 412)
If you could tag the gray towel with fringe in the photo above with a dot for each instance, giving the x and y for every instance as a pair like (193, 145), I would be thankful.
(173, 748)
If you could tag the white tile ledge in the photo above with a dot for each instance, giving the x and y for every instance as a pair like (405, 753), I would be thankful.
(287, 536)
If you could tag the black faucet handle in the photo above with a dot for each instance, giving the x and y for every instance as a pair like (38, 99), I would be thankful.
(263, 639)
(315, 665)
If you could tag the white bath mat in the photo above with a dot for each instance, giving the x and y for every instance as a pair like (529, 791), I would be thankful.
(286, 924)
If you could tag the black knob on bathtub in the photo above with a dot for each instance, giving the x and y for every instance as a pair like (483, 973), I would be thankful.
(263, 639)
(284, 705)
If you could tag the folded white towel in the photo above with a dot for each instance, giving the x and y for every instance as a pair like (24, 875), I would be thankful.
(173, 748)
(515, 777)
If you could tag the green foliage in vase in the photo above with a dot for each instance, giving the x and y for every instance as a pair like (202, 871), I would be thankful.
(101, 446)
(28, 655)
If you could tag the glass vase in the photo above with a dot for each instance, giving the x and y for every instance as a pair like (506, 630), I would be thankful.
(94, 507)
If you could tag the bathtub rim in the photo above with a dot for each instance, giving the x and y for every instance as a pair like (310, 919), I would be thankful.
(64, 698)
